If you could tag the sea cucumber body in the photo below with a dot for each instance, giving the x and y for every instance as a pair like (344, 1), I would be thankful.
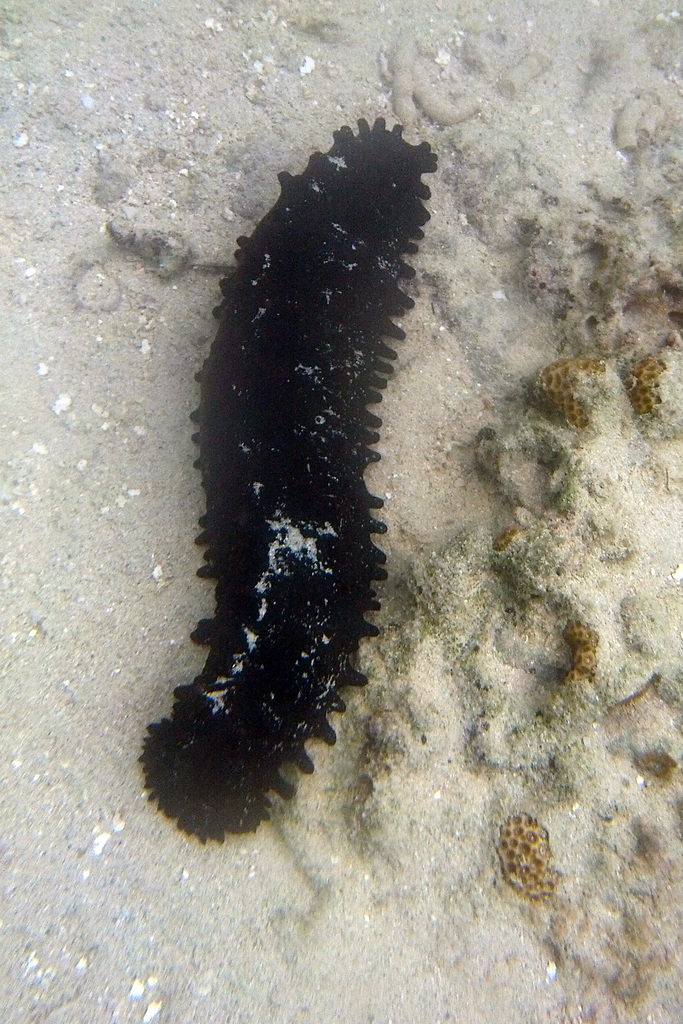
(284, 435)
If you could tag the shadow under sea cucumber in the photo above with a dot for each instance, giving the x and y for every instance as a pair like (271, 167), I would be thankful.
(284, 436)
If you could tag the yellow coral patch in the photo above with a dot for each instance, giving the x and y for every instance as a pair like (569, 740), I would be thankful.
(562, 383)
(643, 386)
(524, 852)
(584, 644)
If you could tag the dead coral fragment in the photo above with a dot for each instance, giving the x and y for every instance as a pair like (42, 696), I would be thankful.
(524, 853)
(657, 763)
(506, 537)
(584, 644)
(564, 381)
(643, 386)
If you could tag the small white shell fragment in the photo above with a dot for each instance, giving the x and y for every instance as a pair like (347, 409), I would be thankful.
(677, 574)
(100, 842)
(62, 403)
(151, 1012)
(137, 989)
(306, 66)
(551, 971)
(42, 370)
(20, 140)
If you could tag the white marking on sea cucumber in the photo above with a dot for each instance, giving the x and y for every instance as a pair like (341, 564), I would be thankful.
(338, 161)
(252, 638)
(216, 701)
(290, 538)
(290, 542)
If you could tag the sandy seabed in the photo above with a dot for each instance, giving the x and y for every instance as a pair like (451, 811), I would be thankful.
(377, 894)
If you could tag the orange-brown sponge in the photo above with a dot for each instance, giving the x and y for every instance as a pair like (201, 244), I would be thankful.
(643, 385)
(524, 853)
(562, 383)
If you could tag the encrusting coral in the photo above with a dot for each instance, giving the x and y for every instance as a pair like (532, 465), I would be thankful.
(564, 384)
(524, 852)
(643, 385)
(584, 644)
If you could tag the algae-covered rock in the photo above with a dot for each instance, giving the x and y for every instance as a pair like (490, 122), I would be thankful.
(571, 607)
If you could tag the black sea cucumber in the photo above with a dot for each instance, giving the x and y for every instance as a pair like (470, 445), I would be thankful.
(284, 435)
